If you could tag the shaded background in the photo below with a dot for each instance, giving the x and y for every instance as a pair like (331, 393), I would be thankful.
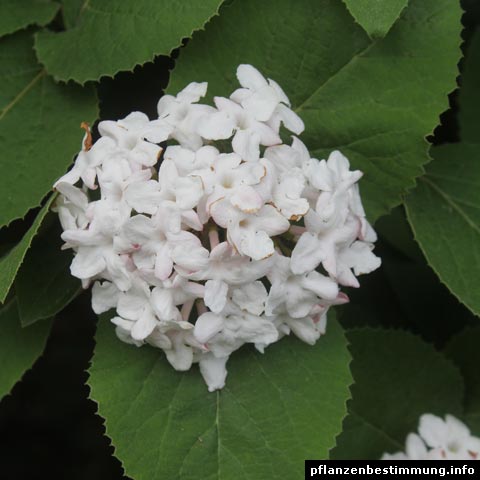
(48, 426)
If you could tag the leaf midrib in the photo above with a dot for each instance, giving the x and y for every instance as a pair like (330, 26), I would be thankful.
(334, 75)
(376, 429)
(446, 197)
(21, 94)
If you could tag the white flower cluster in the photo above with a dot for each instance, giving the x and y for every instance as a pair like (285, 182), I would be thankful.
(215, 241)
(439, 439)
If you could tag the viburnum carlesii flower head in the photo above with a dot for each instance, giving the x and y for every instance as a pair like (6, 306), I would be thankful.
(439, 439)
(204, 231)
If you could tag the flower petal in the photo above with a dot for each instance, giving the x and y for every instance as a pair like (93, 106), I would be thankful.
(104, 297)
(207, 326)
(246, 199)
(144, 326)
(249, 77)
(193, 92)
(290, 119)
(163, 262)
(323, 286)
(188, 192)
(214, 371)
(215, 295)
(433, 430)
(181, 355)
(257, 245)
(415, 447)
(216, 126)
(246, 143)
(162, 303)
(87, 263)
(251, 297)
(144, 197)
(307, 254)
(262, 103)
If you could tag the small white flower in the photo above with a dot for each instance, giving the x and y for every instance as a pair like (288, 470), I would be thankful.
(138, 306)
(251, 297)
(308, 329)
(188, 162)
(297, 295)
(180, 352)
(265, 100)
(227, 265)
(71, 206)
(129, 132)
(250, 133)
(439, 439)
(153, 246)
(451, 436)
(357, 257)
(87, 161)
(226, 331)
(230, 179)
(94, 246)
(287, 195)
(184, 191)
(183, 114)
(250, 233)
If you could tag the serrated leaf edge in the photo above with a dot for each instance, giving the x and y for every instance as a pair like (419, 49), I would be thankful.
(59, 78)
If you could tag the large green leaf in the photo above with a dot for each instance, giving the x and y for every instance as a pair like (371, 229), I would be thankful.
(19, 347)
(39, 125)
(44, 284)
(11, 261)
(397, 378)
(276, 410)
(444, 210)
(18, 14)
(373, 100)
(376, 16)
(111, 36)
(465, 352)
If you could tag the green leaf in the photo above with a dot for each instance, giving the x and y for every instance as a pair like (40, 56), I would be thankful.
(464, 351)
(10, 262)
(15, 14)
(44, 284)
(373, 100)
(19, 347)
(276, 410)
(405, 294)
(396, 230)
(469, 98)
(112, 36)
(444, 210)
(376, 16)
(39, 125)
(425, 304)
(71, 11)
(397, 378)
